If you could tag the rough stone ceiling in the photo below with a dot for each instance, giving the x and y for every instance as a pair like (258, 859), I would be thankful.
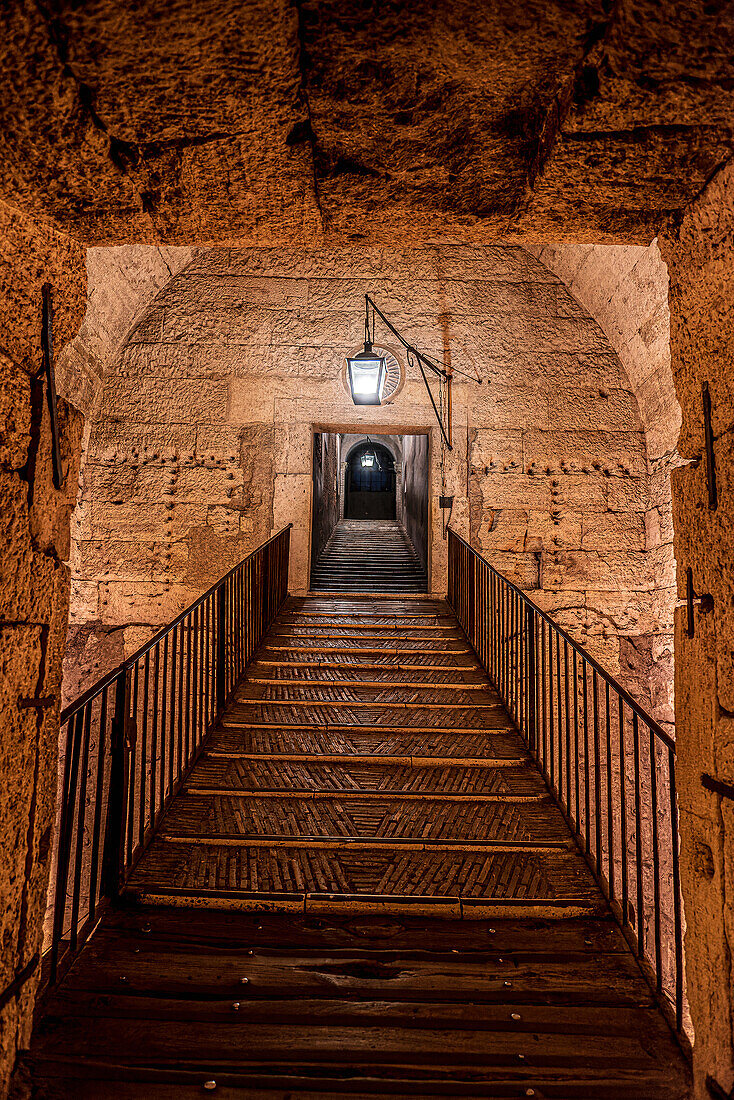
(445, 119)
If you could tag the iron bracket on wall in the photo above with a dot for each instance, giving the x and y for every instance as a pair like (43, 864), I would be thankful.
(424, 363)
(726, 790)
(705, 603)
(47, 349)
(708, 435)
(716, 1091)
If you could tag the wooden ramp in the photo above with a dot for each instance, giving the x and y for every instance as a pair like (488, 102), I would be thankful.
(281, 936)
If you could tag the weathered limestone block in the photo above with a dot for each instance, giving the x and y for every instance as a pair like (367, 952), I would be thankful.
(116, 442)
(153, 400)
(124, 602)
(129, 520)
(621, 452)
(495, 448)
(623, 531)
(593, 409)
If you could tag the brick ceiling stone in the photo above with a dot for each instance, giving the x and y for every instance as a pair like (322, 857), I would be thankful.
(441, 120)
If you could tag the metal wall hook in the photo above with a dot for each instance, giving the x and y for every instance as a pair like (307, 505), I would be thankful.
(705, 603)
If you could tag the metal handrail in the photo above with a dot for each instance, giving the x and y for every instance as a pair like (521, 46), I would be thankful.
(615, 786)
(129, 741)
(629, 699)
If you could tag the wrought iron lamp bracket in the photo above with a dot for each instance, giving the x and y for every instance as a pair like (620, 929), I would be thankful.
(423, 362)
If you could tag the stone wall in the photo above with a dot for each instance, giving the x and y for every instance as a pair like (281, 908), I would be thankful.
(205, 442)
(34, 589)
(416, 507)
(325, 497)
(700, 258)
(626, 290)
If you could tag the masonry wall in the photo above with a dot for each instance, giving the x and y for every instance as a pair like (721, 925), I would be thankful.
(700, 258)
(203, 444)
(416, 477)
(325, 498)
(34, 592)
(626, 290)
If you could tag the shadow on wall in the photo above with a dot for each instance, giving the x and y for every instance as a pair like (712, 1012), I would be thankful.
(416, 470)
(325, 499)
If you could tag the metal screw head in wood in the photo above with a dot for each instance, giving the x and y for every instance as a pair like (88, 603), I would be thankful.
(210, 1085)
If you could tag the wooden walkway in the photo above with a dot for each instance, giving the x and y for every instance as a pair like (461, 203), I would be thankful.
(281, 937)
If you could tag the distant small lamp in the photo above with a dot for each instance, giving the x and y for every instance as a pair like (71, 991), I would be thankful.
(369, 458)
(367, 370)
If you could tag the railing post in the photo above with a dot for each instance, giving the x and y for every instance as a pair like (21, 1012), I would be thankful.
(221, 665)
(531, 674)
(112, 860)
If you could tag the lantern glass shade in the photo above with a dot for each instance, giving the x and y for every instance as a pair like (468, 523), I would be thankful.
(368, 459)
(367, 373)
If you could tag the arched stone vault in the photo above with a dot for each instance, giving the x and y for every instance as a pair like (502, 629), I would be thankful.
(551, 133)
(201, 446)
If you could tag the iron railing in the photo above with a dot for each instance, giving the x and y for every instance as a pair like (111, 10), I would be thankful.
(128, 742)
(609, 764)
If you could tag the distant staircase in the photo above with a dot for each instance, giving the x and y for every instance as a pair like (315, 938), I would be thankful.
(369, 556)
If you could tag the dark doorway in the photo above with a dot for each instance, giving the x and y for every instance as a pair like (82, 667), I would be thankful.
(370, 483)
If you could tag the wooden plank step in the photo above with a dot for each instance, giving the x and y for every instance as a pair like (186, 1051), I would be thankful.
(552, 878)
(370, 776)
(198, 813)
(376, 743)
(347, 938)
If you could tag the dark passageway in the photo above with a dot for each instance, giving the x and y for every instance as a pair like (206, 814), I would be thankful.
(370, 513)
(370, 483)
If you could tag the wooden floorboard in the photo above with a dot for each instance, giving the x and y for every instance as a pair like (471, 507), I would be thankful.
(363, 889)
(162, 1000)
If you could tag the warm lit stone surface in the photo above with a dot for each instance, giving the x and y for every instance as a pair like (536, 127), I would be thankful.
(445, 120)
(203, 441)
(699, 256)
(34, 588)
(258, 125)
(626, 291)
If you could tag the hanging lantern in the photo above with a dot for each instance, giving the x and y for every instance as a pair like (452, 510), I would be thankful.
(367, 370)
(367, 373)
(368, 459)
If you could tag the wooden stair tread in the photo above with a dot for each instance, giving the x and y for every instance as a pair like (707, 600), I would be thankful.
(371, 846)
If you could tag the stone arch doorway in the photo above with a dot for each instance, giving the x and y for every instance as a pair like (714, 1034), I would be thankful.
(370, 483)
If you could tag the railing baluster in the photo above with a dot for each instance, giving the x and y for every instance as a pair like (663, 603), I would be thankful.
(610, 794)
(677, 912)
(86, 714)
(164, 731)
(568, 725)
(71, 758)
(520, 647)
(144, 754)
(597, 775)
(98, 796)
(577, 777)
(551, 715)
(587, 793)
(655, 861)
(623, 813)
(154, 739)
(133, 779)
(640, 915)
(132, 787)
